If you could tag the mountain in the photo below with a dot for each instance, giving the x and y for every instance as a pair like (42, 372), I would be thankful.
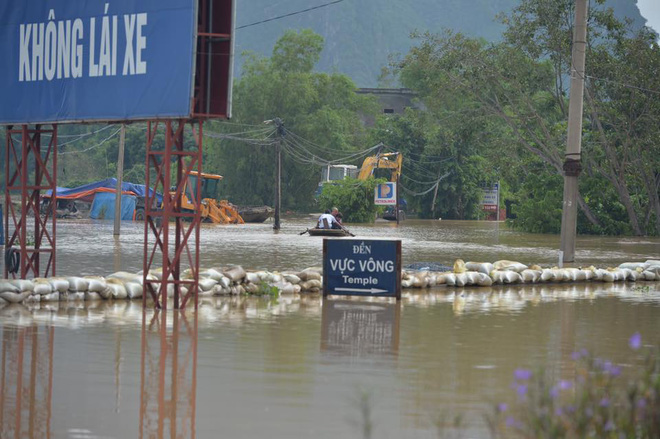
(361, 34)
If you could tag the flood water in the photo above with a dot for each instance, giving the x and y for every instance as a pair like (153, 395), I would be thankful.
(301, 366)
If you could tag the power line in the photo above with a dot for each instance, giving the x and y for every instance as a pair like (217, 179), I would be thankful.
(289, 15)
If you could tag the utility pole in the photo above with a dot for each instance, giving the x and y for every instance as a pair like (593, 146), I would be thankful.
(278, 178)
(120, 178)
(572, 159)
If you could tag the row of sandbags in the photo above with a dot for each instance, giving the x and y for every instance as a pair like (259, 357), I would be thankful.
(122, 285)
(512, 272)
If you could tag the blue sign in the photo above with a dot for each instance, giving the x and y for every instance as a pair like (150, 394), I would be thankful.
(66, 61)
(357, 267)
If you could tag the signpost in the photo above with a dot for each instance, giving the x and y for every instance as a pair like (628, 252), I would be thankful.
(491, 199)
(356, 267)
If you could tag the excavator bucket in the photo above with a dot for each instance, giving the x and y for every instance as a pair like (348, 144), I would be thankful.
(221, 212)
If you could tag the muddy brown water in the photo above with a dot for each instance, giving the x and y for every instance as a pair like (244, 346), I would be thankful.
(301, 366)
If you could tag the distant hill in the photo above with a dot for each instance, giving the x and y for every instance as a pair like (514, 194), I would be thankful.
(361, 34)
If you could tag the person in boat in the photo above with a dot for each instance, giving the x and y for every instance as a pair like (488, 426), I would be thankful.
(329, 219)
(339, 217)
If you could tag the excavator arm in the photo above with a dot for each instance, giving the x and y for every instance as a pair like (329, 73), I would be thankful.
(392, 161)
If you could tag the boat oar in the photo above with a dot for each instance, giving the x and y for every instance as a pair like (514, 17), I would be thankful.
(302, 233)
(345, 230)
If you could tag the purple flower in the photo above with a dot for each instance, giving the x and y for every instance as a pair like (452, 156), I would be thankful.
(604, 402)
(635, 342)
(611, 369)
(641, 403)
(565, 384)
(512, 422)
(522, 374)
(521, 390)
(609, 426)
(554, 392)
(502, 407)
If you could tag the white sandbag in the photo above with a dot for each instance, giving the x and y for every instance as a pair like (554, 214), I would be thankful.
(5, 285)
(207, 284)
(22, 284)
(276, 278)
(634, 265)
(431, 280)
(233, 290)
(505, 265)
(588, 273)
(42, 286)
(497, 276)
(225, 282)
(212, 273)
(134, 290)
(97, 284)
(292, 278)
(253, 277)
(450, 279)
(441, 278)
(421, 280)
(13, 297)
(531, 276)
(92, 296)
(76, 296)
(59, 283)
(461, 279)
(405, 283)
(547, 275)
(78, 283)
(484, 280)
(52, 297)
(634, 275)
(604, 275)
(297, 289)
(235, 274)
(654, 269)
(511, 277)
(125, 276)
(652, 262)
(649, 275)
(285, 288)
(481, 267)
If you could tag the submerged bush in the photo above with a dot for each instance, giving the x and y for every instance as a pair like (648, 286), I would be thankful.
(354, 199)
(598, 403)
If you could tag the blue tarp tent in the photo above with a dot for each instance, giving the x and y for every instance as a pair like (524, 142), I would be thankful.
(103, 206)
(87, 192)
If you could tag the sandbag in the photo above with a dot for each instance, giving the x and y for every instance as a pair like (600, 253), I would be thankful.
(42, 286)
(59, 283)
(450, 279)
(634, 265)
(78, 283)
(405, 283)
(51, 297)
(22, 284)
(484, 280)
(125, 276)
(310, 274)
(292, 278)
(235, 274)
(97, 284)
(649, 275)
(310, 284)
(134, 290)
(12, 297)
(212, 273)
(116, 289)
(505, 265)
(531, 276)
(225, 282)
(252, 277)
(481, 267)
(207, 284)
(7, 286)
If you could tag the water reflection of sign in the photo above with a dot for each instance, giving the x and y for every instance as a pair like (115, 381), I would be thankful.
(354, 267)
(360, 328)
(385, 194)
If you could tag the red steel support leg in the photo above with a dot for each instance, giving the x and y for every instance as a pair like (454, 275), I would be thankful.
(20, 157)
(185, 157)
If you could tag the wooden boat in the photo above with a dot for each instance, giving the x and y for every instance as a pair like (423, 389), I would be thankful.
(328, 232)
(255, 214)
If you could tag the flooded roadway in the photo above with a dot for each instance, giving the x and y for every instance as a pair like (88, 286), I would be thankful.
(300, 366)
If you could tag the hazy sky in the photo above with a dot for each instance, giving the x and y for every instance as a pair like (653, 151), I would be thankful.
(650, 10)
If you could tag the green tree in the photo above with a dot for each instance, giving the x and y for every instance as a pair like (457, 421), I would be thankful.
(354, 198)
(319, 107)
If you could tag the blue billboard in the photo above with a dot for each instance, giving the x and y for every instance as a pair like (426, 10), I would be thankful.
(360, 267)
(67, 61)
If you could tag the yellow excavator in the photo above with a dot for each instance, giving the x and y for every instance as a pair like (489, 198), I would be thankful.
(211, 210)
(391, 161)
